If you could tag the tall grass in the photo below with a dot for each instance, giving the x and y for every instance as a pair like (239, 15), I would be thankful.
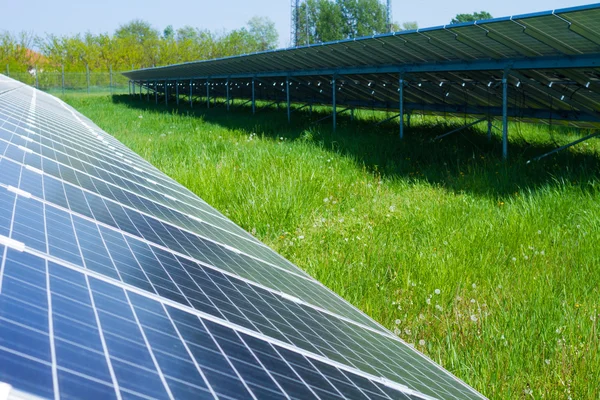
(489, 268)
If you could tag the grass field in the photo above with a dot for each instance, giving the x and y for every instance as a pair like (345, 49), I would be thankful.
(489, 268)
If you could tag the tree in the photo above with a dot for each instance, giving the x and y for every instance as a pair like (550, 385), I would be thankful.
(476, 16)
(327, 20)
(263, 31)
(410, 26)
(169, 32)
(362, 17)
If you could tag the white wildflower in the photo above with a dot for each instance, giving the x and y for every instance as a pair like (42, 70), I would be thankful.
(474, 318)
(437, 291)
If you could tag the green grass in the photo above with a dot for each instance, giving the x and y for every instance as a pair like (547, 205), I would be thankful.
(489, 268)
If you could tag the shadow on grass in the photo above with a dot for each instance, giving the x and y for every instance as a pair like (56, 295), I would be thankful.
(462, 162)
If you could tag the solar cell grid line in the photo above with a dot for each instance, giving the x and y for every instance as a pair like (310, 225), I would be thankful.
(89, 213)
(55, 221)
(140, 178)
(254, 240)
(262, 253)
(127, 170)
(266, 252)
(114, 314)
(29, 188)
(235, 313)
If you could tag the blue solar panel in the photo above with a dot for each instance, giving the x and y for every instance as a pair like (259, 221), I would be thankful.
(116, 282)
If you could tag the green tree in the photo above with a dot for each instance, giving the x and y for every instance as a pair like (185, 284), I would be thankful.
(327, 20)
(263, 32)
(476, 16)
(362, 17)
(410, 25)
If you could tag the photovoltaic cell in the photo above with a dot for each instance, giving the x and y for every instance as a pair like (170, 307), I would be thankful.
(121, 284)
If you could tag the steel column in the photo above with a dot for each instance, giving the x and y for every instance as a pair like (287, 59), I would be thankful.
(177, 92)
(253, 98)
(227, 93)
(191, 94)
(505, 115)
(334, 115)
(207, 94)
(166, 94)
(489, 134)
(287, 93)
(156, 92)
(401, 105)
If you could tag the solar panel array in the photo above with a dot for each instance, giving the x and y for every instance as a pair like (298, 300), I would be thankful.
(552, 60)
(117, 282)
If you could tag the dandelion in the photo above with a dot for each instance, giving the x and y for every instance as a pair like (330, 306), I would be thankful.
(301, 237)
(407, 331)
(428, 300)
(474, 318)
(437, 291)
(474, 286)
(526, 257)
(281, 138)
(445, 243)
(397, 331)
(514, 259)
(326, 199)
(397, 322)
(499, 286)
(421, 343)
(543, 252)
(472, 301)
(392, 208)
(539, 232)
(547, 361)
(438, 307)
(141, 116)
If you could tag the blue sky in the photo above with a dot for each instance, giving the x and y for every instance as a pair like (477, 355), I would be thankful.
(70, 16)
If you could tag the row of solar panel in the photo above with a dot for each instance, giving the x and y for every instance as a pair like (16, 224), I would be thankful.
(561, 32)
(105, 290)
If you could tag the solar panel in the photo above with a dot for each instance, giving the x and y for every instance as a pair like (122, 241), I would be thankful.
(117, 282)
(549, 60)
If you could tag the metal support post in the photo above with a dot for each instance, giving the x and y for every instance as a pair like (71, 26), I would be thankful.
(63, 79)
(177, 92)
(207, 94)
(191, 94)
(408, 120)
(129, 87)
(156, 92)
(401, 105)
(253, 98)
(352, 115)
(110, 84)
(287, 93)
(166, 94)
(334, 115)
(489, 135)
(148, 91)
(141, 89)
(505, 115)
(227, 93)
